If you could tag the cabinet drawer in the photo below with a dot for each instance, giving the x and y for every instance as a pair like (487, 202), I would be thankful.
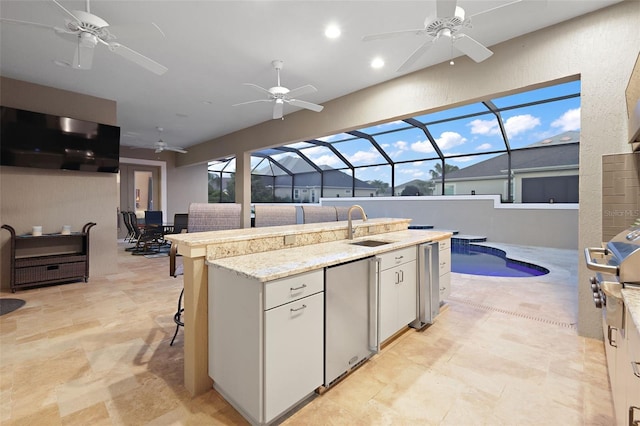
(444, 260)
(444, 244)
(285, 290)
(397, 257)
(50, 272)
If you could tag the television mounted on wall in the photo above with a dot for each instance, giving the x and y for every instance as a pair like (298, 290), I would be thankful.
(33, 139)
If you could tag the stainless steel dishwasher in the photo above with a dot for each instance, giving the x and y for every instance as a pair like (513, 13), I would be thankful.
(351, 316)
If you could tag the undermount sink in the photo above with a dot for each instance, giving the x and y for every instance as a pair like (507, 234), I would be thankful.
(370, 243)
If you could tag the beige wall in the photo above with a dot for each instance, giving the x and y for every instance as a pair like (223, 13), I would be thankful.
(53, 198)
(601, 48)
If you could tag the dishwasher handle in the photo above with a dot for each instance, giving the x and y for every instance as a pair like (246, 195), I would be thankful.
(374, 305)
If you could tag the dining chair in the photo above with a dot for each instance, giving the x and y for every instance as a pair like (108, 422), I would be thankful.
(275, 215)
(315, 214)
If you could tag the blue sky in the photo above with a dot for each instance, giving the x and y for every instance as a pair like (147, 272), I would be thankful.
(474, 135)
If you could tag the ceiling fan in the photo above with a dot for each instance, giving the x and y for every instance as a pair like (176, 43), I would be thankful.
(280, 95)
(161, 145)
(89, 30)
(446, 22)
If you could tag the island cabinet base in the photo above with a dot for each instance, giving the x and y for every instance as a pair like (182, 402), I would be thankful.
(266, 341)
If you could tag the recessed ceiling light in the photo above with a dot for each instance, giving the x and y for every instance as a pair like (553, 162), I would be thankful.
(332, 31)
(377, 63)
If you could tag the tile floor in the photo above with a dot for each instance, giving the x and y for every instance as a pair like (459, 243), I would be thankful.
(502, 352)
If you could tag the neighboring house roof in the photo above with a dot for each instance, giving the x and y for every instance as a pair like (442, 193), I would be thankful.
(304, 177)
(559, 152)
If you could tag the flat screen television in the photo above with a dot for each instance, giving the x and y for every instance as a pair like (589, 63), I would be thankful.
(32, 139)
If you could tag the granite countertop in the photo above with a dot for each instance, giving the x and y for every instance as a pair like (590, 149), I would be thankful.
(234, 235)
(277, 264)
(631, 298)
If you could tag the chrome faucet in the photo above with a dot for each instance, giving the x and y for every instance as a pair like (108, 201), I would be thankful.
(350, 225)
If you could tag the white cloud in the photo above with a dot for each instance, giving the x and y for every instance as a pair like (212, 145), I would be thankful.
(364, 157)
(401, 145)
(483, 147)
(424, 146)
(570, 120)
(328, 160)
(450, 139)
(484, 127)
(520, 123)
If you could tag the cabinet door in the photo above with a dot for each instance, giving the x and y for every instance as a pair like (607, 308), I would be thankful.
(633, 380)
(294, 353)
(388, 303)
(407, 294)
(445, 261)
(445, 286)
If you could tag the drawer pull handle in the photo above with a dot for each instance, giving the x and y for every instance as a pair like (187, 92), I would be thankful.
(399, 257)
(636, 371)
(610, 337)
(298, 309)
(53, 267)
(302, 287)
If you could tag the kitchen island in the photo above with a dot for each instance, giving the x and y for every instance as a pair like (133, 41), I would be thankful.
(268, 254)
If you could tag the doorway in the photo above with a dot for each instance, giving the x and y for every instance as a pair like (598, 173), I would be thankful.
(139, 191)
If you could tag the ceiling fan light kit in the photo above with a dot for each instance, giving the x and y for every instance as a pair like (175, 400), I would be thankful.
(279, 95)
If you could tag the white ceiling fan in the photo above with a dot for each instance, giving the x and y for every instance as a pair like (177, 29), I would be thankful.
(90, 30)
(280, 95)
(448, 22)
(161, 145)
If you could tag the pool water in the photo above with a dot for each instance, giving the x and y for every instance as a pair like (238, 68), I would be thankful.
(480, 260)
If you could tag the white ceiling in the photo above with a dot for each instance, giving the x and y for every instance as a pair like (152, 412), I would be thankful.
(212, 47)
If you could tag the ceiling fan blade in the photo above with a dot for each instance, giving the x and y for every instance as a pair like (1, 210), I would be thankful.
(258, 88)
(306, 105)
(415, 55)
(83, 57)
(393, 34)
(175, 149)
(446, 8)
(471, 48)
(33, 24)
(137, 58)
(278, 108)
(75, 18)
(251, 102)
(303, 90)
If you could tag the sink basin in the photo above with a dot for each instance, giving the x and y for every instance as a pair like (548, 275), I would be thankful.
(370, 243)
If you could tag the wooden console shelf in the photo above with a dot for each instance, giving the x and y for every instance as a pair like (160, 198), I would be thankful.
(49, 258)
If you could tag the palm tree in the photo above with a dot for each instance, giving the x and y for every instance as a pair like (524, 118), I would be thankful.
(436, 172)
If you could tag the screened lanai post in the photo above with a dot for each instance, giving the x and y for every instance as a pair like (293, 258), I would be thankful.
(243, 187)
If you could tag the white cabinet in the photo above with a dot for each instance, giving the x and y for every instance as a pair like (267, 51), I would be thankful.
(444, 266)
(266, 340)
(632, 373)
(398, 290)
(622, 348)
(293, 353)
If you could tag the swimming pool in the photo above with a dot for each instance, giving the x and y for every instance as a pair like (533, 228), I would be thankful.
(481, 260)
